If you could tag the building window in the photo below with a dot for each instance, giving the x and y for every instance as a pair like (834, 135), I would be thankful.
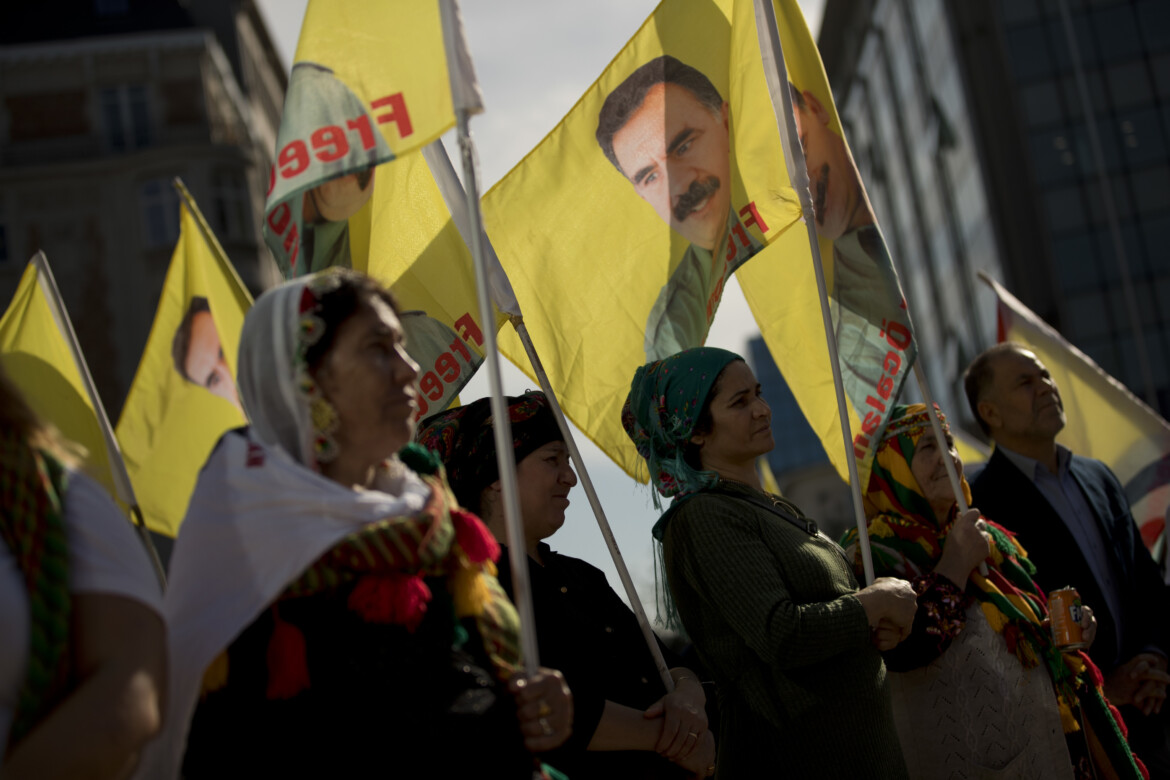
(39, 117)
(4, 257)
(230, 204)
(126, 117)
(160, 213)
(111, 7)
(183, 102)
(1151, 189)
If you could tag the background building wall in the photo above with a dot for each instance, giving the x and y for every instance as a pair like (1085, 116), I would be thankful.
(102, 104)
(972, 141)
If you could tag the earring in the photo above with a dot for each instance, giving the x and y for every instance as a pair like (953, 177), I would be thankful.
(325, 423)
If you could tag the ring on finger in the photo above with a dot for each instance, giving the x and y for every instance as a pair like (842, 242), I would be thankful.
(545, 728)
(544, 710)
(694, 734)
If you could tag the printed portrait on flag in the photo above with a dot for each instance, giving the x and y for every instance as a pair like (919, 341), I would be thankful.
(198, 353)
(666, 129)
(349, 186)
(620, 230)
(184, 396)
(872, 330)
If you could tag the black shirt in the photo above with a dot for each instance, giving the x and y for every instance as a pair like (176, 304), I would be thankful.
(588, 633)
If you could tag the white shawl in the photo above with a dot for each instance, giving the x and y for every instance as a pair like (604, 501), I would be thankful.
(257, 519)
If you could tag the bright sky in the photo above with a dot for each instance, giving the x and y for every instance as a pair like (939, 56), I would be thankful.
(534, 59)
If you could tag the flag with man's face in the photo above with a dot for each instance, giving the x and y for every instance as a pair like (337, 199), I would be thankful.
(370, 86)
(183, 397)
(621, 228)
(35, 353)
(1104, 419)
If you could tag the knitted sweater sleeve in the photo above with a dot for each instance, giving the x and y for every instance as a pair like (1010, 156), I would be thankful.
(755, 577)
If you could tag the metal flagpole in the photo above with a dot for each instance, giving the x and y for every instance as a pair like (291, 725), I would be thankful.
(502, 426)
(794, 153)
(943, 447)
(117, 466)
(1131, 304)
(505, 300)
(587, 483)
(777, 76)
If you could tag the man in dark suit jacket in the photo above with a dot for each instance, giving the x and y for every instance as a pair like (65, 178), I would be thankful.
(1072, 517)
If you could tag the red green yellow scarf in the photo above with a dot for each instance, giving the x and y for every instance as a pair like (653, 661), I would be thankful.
(32, 524)
(907, 541)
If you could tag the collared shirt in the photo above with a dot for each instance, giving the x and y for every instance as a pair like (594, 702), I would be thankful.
(1064, 494)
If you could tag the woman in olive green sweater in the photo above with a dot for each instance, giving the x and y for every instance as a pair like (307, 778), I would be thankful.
(770, 603)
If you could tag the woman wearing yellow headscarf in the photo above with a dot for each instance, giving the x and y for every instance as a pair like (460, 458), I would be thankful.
(979, 687)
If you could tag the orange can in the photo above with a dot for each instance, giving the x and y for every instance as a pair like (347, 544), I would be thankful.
(1064, 609)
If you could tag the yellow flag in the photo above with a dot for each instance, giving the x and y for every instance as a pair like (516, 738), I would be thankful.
(369, 83)
(620, 229)
(971, 450)
(406, 238)
(183, 397)
(370, 86)
(1105, 420)
(37, 357)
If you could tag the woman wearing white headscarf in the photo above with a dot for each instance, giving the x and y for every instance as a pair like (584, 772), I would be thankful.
(331, 611)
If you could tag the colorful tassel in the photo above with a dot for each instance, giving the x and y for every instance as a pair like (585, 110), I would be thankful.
(1068, 720)
(470, 591)
(216, 674)
(473, 536)
(288, 666)
(396, 598)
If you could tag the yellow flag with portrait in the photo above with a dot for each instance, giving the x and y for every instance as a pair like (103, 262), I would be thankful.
(184, 397)
(372, 83)
(621, 228)
(36, 356)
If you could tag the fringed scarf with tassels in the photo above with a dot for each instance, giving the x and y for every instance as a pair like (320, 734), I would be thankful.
(907, 541)
(388, 561)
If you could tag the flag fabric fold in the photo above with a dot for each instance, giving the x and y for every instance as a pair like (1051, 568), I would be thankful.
(183, 397)
(35, 351)
(621, 228)
(370, 88)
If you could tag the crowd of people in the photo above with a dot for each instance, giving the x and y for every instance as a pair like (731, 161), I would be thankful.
(339, 602)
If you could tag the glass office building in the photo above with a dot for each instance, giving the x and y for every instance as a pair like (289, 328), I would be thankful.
(971, 134)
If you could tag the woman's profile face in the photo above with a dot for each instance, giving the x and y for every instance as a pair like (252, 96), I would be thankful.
(544, 479)
(370, 380)
(741, 420)
(929, 470)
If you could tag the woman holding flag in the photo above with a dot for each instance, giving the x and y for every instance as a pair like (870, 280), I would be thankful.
(770, 603)
(332, 612)
(1014, 704)
(625, 725)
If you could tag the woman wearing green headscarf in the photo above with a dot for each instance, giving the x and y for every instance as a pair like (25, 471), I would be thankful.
(770, 603)
(979, 687)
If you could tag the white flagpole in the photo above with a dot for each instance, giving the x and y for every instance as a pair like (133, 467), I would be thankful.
(587, 483)
(777, 76)
(943, 447)
(217, 249)
(505, 300)
(121, 477)
(467, 101)
(502, 426)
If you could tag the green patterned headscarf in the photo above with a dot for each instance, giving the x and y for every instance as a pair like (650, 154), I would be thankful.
(660, 413)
